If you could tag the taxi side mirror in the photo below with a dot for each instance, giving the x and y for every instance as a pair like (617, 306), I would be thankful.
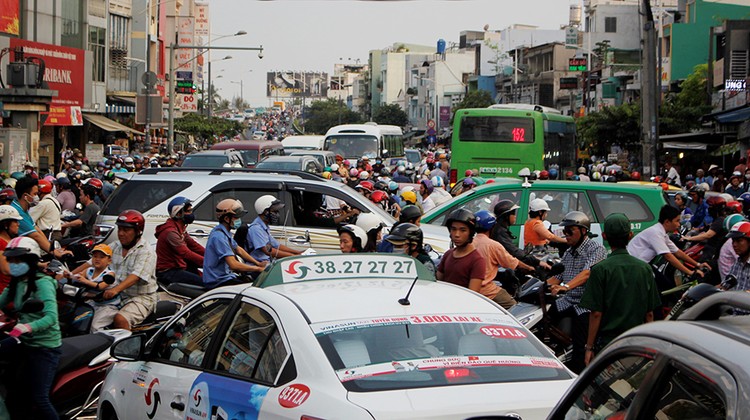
(130, 349)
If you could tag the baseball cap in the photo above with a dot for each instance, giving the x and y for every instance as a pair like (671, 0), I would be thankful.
(617, 225)
(104, 248)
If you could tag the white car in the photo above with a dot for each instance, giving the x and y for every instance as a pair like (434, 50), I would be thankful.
(333, 336)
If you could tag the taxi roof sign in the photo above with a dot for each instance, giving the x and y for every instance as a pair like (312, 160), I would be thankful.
(343, 266)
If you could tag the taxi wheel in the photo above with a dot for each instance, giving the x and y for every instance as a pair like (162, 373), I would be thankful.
(108, 412)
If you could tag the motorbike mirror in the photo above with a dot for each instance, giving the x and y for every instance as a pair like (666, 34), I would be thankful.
(730, 282)
(556, 269)
(108, 279)
(427, 248)
(32, 306)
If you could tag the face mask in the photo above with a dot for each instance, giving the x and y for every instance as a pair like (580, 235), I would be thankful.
(237, 223)
(188, 218)
(18, 269)
(118, 166)
(34, 201)
(400, 250)
(274, 218)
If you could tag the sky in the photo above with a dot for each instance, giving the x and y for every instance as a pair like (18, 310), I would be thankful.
(311, 35)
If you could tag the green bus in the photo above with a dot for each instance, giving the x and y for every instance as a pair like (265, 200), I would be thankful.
(501, 140)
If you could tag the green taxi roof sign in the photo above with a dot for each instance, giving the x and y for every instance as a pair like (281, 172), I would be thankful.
(343, 266)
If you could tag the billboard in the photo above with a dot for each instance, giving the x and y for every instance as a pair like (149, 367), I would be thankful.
(9, 17)
(296, 84)
(64, 72)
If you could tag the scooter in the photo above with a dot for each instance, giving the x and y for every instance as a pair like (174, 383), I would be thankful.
(83, 365)
(698, 292)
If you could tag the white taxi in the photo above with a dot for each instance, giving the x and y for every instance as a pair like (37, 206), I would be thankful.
(332, 336)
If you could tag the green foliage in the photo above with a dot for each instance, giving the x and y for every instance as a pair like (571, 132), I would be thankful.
(199, 126)
(391, 114)
(612, 125)
(475, 99)
(322, 115)
(681, 112)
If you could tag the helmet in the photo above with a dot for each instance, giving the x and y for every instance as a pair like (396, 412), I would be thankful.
(485, 220)
(364, 175)
(504, 207)
(45, 187)
(716, 201)
(358, 234)
(734, 207)
(378, 196)
(744, 197)
(50, 178)
(9, 213)
(369, 222)
(596, 176)
(697, 190)
(326, 175)
(406, 232)
(635, 176)
(410, 212)
(132, 219)
(177, 205)
(568, 174)
(438, 182)
(96, 183)
(732, 220)
(393, 186)
(427, 185)
(544, 174)
(468, 181)
(61, 175)
(128, 160)
(7, 194)
(689, 177)
(353, 172)
(401, 168)
(267, 202)
(575, 178)
(381, 186)
(365, 185)
(384, 171)
(683, 195)
(409, 197)
(335, 167)
(576, 218)
(22, 245)
(231, 207)
(538, 204)
(581, 170)
(739, 230)
(463, 216)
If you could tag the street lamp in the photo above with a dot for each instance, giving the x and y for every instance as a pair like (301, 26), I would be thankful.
(242, 96)
(210, 86)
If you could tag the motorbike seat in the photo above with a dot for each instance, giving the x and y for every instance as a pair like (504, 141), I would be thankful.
(164, 309)
(188, 290)
(79, 351)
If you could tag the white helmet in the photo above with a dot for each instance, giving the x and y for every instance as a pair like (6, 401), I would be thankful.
(22, 245)
(364, 175)
(9, 213)
(358, 233)
(61, 175)
(369, 221)
(128, 160)
(335, 167)
(538, 204)
(10, 182)
(265, 202)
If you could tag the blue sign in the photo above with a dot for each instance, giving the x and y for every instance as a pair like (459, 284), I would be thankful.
(431, 140)
(184, 75)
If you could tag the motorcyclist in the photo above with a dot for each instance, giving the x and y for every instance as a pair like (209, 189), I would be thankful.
(9, 220)
(462, 265)
(409, 214)
(505, 212)
(39, 332)
(178, 256)
(407, 238)
(425, 190)
(740, 236)
(352, 239)
(259, 242)
(373, 227)
(700, 217)
(84, 224)
(715, 235)
(495, 257)
(535, 233)
(681, 201)
(46, 214)
(26, 197)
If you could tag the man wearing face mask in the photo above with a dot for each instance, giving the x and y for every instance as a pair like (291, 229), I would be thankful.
(178, 255)
(260, 243)
(27, 196)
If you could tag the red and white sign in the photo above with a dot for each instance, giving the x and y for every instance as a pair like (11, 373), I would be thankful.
(294, 395)
(186, 103)
(500, 331)
(64, 72)
(185, 36)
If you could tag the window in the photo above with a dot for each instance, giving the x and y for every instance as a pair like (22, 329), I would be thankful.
(206, 210)
(497, 129)
(253, 347)
(481, 202)
(72, 27)
(186, 340)
(563, 202)
(688, 395)
(607, 203)
(610, 24)
(141, 195)
(119, 34)
(610, 394)
(97, 39)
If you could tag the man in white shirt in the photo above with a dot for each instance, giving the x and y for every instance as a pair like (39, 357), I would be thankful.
(673, 177)
(425, 191)
(46, 214)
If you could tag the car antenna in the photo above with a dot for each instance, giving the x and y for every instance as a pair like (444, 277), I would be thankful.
(405, 300)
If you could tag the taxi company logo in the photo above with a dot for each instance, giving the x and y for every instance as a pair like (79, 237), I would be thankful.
(294, 395)
(197, 397)
(157, 398)
(295, 268)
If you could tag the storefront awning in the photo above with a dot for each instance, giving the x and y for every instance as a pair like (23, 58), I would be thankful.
(731, 116)
(109, 125)
(683, 145)
(727, 149)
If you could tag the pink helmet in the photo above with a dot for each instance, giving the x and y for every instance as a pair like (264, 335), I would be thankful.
(353, 172)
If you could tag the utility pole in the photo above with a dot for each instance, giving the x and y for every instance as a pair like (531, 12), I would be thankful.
(649, 111)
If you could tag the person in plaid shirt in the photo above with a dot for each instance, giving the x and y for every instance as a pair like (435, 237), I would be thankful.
(740, 236)
(578, 259)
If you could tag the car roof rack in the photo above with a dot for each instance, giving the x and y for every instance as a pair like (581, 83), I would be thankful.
(219, 171)
(717, 305)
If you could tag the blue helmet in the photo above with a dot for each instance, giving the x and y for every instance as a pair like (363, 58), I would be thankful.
(176, 205)
(393, 186)
(553, 173)
(485, 220)
(744, 197)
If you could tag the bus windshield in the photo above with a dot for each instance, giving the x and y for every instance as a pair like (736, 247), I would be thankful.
(353, 145)
(497, 129)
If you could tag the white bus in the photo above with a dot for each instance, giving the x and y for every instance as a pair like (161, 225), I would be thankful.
(353, 141)
(292, 143)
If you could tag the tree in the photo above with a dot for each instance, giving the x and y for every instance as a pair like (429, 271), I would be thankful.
(612, 125)
(202, 127)
(475, 99)
(682, 112)
(391, 114)
(322, 115)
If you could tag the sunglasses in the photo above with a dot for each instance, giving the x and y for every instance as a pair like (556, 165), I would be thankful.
(568, 231)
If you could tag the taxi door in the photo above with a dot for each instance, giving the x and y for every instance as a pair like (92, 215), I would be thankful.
(161, 385)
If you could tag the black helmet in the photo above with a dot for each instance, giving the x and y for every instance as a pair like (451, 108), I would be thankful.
(406, 232)
(697, 189)
(409, 214)
(381, 185)
(504, 207)
(463, 216)
(576, 218)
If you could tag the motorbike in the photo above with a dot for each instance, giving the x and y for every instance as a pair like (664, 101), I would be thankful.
(84, 362)
(696, 293)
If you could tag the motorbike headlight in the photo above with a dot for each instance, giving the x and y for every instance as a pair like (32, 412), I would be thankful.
(525, 320)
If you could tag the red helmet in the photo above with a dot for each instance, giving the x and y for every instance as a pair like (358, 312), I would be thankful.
(716, 201)
(366, 185)
(45, 187)
(740, 230)
(568, 175)
(544, 175)
(664, 186)
(657, 179)
(468, 173)
(734, 207)
(132, 219)
(96, 183)
(7, 194)
(379, 197)
(635, 176)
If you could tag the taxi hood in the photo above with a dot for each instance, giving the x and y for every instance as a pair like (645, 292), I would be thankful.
(530, 400)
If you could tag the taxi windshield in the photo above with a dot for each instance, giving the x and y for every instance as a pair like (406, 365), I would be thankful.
(421, 351)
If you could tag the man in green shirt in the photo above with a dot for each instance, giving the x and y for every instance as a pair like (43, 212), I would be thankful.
(621, 292)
